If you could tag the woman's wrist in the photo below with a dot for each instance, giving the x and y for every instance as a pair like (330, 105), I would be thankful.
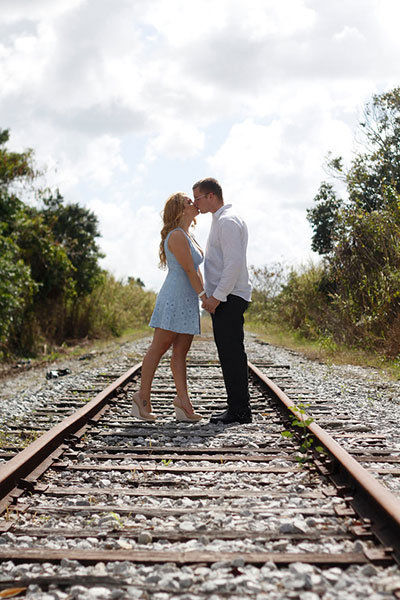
(201, 293)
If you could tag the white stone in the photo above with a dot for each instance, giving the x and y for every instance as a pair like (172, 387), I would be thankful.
(117, 593)
(153, 578)
(308, 596)
(122, 567)
(369, 571)
(185, 581)
(294, 583)
(332, 575)
(301, 568)
(208, 587)
(135, 592)
(186, 526)
(312, 581)
(342, 584)
(295, 526)
(358, 546)
(145, 537)
(238, 562)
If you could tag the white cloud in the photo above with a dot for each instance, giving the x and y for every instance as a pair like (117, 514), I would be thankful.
(103, 160)
(186, 22)
(271, 173)
(127, 102)
(82, 162)
(175, 140)
(348, 33)
(284, 157)
(40, 9)
(130, 240)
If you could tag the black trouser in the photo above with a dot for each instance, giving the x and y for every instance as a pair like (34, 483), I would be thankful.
(229, 337)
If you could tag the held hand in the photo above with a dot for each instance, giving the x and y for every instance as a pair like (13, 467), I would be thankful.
(211, 304)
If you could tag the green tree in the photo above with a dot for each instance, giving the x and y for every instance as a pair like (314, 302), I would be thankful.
(137, 281)
(324, 218)
(366, 269)
(377, 166)
(373, 170)
(75, 228)
(14, 166)
(52, 273)
(51, 285)
(31, 253)
(16, 289)
(360, 236)
(267, 282)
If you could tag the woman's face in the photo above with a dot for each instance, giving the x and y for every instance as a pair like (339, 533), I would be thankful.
(189, 207)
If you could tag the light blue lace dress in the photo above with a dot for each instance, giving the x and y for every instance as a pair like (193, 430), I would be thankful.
(177, 304)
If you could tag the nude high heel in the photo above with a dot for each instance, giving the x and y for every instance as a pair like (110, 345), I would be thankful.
(182, 415)
(140, 414)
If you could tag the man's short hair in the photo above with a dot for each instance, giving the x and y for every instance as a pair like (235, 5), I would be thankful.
(209, 184)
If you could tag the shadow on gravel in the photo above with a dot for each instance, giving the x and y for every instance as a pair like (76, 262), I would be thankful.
(171, 429)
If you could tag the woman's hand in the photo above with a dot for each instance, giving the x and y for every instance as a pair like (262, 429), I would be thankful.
(210, 304)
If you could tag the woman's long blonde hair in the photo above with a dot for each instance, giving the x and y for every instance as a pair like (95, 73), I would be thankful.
(171, 215)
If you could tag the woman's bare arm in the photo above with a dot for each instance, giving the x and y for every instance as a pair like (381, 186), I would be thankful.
(179, 246)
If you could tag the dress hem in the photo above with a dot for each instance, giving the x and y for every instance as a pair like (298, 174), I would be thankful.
(174, 330)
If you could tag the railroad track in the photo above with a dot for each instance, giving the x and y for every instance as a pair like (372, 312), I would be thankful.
(180, 503)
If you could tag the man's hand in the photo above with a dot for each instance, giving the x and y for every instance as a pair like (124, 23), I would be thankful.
(210, 304)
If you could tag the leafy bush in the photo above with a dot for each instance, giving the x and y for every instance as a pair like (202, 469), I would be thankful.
(354, 296)
(51, 285)
(111, 308)
(16, 290)
(304, 301)
(267, 283)
(366, 268)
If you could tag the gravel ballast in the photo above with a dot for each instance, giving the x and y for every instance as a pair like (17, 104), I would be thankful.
(364, 394)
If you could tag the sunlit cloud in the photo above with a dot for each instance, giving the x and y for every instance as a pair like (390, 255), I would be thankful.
(127, 102)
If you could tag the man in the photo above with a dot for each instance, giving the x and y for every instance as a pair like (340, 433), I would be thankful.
(228, 292)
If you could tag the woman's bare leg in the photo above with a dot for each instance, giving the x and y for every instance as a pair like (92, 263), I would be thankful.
(180, 348)
(162, 340)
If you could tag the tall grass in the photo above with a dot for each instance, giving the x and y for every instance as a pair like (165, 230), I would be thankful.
(111, 308)
(351, 301)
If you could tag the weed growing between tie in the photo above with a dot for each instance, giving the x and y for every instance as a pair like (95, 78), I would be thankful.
(300, 421)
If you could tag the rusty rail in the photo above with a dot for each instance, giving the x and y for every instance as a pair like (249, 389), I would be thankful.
(46, 448)
(369, 498)
(372, 501)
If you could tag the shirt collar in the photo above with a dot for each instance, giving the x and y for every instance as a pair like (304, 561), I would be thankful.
(219, 212)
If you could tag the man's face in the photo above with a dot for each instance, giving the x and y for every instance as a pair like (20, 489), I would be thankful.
(202, 200)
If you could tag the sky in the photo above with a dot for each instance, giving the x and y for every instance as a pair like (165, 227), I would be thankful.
(128, 101)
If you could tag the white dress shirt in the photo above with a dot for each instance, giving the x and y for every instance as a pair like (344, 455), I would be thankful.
(225, 267)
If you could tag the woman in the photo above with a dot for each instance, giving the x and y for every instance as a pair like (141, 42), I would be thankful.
(176, 316)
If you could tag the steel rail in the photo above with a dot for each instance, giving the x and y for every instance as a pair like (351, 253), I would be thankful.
(26, 461)
(369, 498)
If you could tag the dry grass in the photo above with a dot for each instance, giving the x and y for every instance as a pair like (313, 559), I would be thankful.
(206, 325)
(324, 352)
